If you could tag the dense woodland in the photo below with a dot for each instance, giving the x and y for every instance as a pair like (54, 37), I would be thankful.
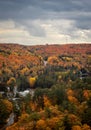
(57, 79)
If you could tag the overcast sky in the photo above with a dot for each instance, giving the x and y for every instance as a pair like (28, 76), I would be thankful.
(45, 21)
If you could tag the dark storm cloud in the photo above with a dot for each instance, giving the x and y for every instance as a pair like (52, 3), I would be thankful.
(16, 8)
(21, 11)
(83, 21)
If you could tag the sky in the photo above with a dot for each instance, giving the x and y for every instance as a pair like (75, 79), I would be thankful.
(32, 22)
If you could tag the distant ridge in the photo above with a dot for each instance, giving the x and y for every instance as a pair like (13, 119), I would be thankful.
(49, 44)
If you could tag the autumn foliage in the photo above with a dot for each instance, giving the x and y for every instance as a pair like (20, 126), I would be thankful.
(46, 87)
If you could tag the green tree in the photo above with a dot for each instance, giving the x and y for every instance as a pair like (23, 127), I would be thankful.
(59, 94)
(22, 83)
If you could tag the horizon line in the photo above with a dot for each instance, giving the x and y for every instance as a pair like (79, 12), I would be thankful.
(14, 43)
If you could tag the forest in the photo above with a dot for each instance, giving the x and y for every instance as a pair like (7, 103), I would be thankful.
(45, 87)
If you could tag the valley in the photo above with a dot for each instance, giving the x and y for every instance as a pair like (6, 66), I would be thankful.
(45, 87)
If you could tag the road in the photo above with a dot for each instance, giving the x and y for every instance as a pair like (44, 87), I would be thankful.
(10, 121)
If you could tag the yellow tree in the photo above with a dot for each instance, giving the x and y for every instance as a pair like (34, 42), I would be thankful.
(73, 100)
(41, 125)
(53, 60)
(33, 106)
(11, 83)
(25, 71)
(86, 127)
(86, 94)
(70, 92)
(8, 105)
(74, 120)
(32, 81)
(53, 123)
(47, 102)
(76, 127)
